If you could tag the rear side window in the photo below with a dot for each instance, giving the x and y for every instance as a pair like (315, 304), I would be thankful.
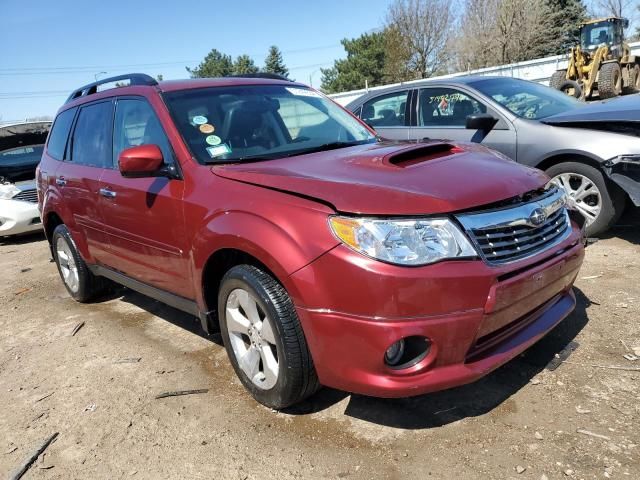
(386, 111)
(92, 136)
(60, 133)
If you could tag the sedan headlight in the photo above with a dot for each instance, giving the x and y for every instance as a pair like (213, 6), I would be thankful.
(8, 191)
(403, 242)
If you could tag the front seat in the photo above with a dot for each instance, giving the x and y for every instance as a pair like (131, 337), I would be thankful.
(461, 110)
(244, 126)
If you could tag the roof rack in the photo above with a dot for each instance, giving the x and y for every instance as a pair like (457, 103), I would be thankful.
(91, 88)
(270, 76)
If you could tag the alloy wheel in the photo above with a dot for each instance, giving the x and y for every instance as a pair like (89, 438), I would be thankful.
(252, 339)
(67, 264)
(584, 195)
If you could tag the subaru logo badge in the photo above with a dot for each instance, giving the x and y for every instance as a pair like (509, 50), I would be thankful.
(537, 217)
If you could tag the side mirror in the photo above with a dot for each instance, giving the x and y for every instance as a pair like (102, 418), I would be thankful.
(140, 161)
(482, 121)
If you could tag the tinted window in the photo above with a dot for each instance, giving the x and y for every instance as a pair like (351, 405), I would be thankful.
(446, 107)
(137, 124)
(92, 136)
(261, 122)
(386, 111)
(22, 155)
(527, 99)
(60, 133)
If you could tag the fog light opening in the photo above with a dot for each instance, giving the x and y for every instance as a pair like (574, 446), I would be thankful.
(407, 352)
(394, 353)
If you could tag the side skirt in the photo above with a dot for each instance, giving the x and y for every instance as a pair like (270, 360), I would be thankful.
(171, 299)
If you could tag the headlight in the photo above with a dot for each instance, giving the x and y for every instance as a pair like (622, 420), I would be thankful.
(8, 191)
(403, 242)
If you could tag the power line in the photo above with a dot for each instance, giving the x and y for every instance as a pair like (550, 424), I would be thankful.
(91, 68)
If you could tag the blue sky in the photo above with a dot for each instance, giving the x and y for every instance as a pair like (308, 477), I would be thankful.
(52, 47)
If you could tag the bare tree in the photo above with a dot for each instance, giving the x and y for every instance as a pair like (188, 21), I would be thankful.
(420, 33)
(495, 32)
(615, 8)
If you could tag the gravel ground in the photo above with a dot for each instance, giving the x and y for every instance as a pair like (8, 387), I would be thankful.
(535, 418)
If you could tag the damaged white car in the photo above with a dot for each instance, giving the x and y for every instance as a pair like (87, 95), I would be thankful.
(20, 151)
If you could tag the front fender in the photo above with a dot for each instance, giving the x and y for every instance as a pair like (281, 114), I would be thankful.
(284, 245)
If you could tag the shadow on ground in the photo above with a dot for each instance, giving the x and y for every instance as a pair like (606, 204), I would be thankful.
(426, 411)
(627, 228)
(22, 239)
(478, 398)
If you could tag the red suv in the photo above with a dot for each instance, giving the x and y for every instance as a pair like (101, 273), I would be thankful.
(324, 255)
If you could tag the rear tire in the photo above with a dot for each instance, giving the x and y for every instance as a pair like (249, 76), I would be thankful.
(634, 81)
(264, 339)
(82, 285)
(609, 80)
(591, 193)
(557, 79)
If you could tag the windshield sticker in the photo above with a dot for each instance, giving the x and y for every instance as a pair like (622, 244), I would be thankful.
(303, 92)
(207, 128)
(200, 119)
(218, 150)
(213, 140)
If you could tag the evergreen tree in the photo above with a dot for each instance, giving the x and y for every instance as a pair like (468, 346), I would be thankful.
(244, 64)
(365, 63)
(215, 64)
(565, 17)
(274, 62)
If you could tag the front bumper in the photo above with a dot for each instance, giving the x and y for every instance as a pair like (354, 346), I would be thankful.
(18, 217)
(626, 174)
(477, 317)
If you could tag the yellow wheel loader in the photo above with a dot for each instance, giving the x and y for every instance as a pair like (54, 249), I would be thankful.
(602, 62)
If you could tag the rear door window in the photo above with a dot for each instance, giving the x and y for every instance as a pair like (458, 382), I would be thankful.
(386, 110)
(91, 143)
(60, 133)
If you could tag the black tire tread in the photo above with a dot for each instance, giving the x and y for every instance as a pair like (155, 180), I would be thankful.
(91, 286)
(613, 199)
(606, 80)
(300, 363)
(557, 79)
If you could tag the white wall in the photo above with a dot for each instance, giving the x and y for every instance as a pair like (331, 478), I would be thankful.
(538, 70)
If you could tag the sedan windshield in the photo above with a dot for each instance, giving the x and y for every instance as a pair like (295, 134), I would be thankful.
(261, 122)
(526, 99)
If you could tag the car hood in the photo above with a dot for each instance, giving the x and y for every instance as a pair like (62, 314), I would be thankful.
(623, 109)
(394, 179)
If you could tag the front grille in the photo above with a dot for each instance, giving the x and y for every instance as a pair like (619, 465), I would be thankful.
(514, 233)
(30, 195)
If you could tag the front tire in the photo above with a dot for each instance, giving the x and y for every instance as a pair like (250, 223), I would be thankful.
(600, 202)
(609, 80)
(264, 339)
(82, 285)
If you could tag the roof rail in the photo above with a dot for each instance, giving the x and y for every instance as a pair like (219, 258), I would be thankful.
(271, 76)
(91, 88)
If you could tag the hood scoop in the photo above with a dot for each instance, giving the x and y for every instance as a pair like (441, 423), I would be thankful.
(421, 153)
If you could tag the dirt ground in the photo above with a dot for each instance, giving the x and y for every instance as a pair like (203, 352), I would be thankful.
(527, 420)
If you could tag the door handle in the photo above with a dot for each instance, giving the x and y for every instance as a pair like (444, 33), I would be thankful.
(105, 192)
(61, 182)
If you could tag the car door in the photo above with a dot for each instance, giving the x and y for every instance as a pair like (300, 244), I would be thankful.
(387, 114)
(77, 178)
(442, 113)
(143, 217)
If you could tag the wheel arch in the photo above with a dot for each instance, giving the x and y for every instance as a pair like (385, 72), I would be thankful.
(569, 156)
(238, 237)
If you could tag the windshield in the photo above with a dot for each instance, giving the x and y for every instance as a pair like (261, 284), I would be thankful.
(526, 99)
(595, 34)
(261, 122)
